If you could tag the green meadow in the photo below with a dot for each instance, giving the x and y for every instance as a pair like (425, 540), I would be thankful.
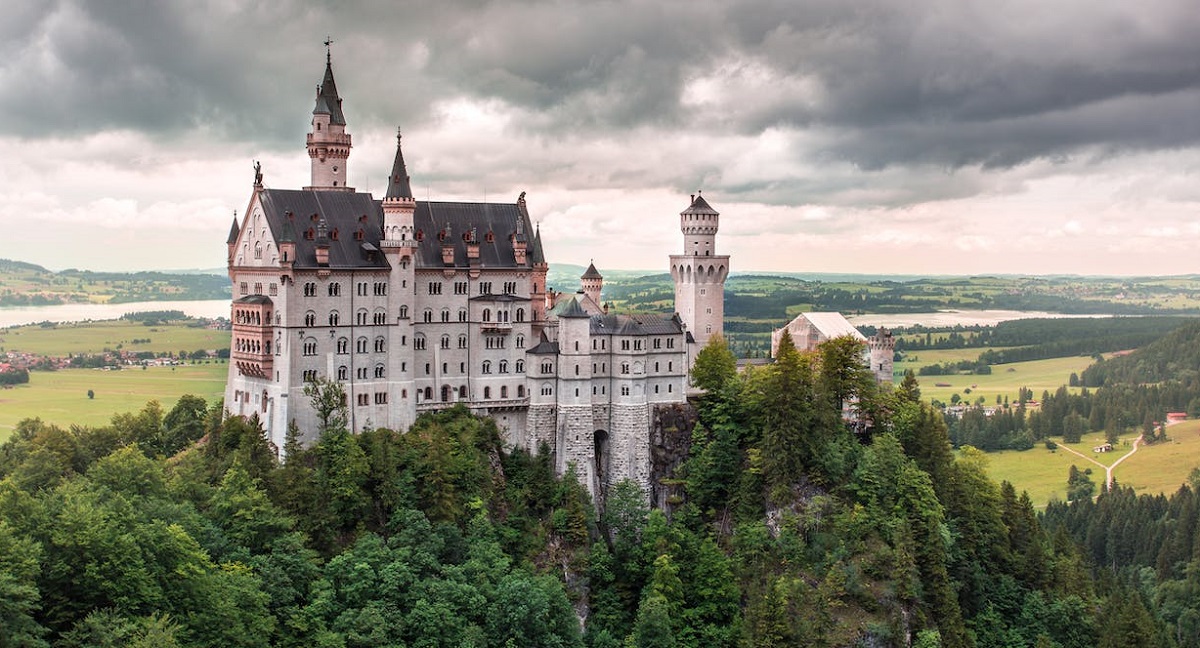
(114, 335)
(1159, 468)
(60, 397)
(1004, 381)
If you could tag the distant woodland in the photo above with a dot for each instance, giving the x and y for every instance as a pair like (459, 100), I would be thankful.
(26, 284)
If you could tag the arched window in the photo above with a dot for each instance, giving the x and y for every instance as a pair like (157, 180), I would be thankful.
(520, 366)
(427, 315)
(487, 314)
(520, 341)
(487, 366)
(445, 314)
(333, 318)
(343, 373)
(343, 347)
(520, 391)
(445, 341)
(310, 319)
(445, 393)
(504, 366)
(462, 341)
(429, 393)
(504, 391)
(404, 312)
(379, 371)
(462, 314)
(487, 393)
(520, 314)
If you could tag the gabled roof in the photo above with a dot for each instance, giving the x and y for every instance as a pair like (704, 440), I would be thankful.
(700, 206)
(343, 212)
(830, 325)
(328, 102)
(398, 183)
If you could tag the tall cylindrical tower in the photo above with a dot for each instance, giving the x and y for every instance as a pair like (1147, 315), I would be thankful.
(699, 273)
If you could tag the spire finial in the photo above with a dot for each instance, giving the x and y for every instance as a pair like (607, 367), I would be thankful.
(397, 136)
(328, 56)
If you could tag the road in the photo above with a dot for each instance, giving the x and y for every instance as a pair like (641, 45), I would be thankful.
(1108, 479)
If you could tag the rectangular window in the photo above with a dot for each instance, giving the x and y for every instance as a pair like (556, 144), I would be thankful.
(273, 290)
(244, 288)
(435, 287)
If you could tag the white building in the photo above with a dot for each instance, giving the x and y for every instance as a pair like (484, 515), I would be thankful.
(809, 330)
(418, 305)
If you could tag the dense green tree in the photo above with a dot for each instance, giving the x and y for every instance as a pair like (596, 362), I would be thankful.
(715, 367)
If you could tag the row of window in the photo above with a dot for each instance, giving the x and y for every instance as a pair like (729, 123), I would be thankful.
(501, 315)
(251, 317)
(244, 288)
(362, 289)
(361, 373)
(602, 367)
(252, 346)
(464, 288)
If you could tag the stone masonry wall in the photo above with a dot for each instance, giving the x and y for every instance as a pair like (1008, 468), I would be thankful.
(670, 442)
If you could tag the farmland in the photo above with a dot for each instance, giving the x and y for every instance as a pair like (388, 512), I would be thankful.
(60, 397)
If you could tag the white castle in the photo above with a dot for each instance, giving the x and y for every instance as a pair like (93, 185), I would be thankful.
(416, 306)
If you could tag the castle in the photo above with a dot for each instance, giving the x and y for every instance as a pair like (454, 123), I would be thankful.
(416, 306)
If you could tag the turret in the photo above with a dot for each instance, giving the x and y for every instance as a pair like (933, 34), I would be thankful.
(592, 283)
(398, 205)
(882, 351)
(234, 232)
(328, 141)
(699, 272)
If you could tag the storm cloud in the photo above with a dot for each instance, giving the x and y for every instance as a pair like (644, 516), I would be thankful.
(863, 108)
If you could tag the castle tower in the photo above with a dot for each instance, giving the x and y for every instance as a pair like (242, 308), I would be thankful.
(575, 441)
(699, 273)
(328, 141)
(883, 350)
(592, 283)
(399, 245)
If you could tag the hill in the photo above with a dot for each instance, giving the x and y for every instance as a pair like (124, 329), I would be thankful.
(27, 284)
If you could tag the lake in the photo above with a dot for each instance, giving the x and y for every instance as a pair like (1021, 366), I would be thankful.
(955, 317)
(22, 315)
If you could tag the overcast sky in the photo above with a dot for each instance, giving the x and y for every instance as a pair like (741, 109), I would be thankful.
(926, 136)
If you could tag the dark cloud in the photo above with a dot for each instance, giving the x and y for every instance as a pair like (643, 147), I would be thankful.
(943, 83)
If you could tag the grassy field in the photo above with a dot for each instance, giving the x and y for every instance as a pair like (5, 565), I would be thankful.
(1005, 379)
(94, 337)
(1159, 468)
(60, 397)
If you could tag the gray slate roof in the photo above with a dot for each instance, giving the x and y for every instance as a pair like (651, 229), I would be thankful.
(398, 183)
(644, 324)
(343, 211)
(700, 206)
(591, 272)
(347, 212)
(454, 220)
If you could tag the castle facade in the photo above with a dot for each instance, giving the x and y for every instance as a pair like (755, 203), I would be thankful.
(416, 306)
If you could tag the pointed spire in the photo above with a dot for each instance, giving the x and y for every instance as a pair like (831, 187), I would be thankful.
(328, 102)
(233, 231)
(536, 253)
(573, 309)
(592, 272)
(398, 184)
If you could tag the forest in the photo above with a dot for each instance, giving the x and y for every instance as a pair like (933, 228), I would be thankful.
(791, 527)
(1129, 392)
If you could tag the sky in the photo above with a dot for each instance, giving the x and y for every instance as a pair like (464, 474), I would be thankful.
(916, 137)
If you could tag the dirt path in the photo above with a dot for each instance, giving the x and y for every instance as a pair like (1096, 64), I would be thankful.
(1108, 470)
